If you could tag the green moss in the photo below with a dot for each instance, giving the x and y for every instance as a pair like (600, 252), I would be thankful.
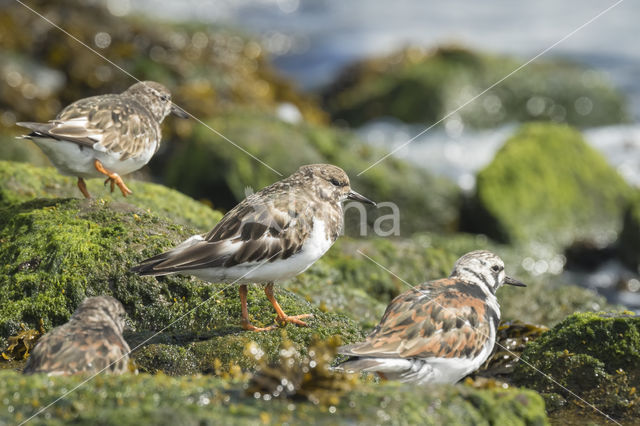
(547, 185)
(593, 356)
(20, 182)
(196, 400)
(210, 168)
(417, 86)
(56, 252)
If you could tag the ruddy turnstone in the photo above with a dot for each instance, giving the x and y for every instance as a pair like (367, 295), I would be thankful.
(271, 235)
(439, 331)
(107, 135)
(90, 342)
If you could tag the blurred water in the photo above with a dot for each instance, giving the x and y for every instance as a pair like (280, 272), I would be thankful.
(459, 154)
(311, 41)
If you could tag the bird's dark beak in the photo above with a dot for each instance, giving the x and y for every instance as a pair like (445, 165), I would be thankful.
(176, 110)
(353, 195)
(514, 282)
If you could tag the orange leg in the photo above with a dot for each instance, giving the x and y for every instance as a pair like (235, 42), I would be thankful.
(246, 323)
(282, 317)
(83, 188)
(113, 178)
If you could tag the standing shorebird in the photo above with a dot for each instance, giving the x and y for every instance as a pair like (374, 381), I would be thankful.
(439, 331)
(89, 343)
(107, 135)
(271, 235)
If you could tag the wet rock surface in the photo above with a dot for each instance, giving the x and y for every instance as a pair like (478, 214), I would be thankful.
(594, 360)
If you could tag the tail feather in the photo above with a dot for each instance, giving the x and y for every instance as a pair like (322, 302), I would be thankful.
(148, 266)
(38, 129)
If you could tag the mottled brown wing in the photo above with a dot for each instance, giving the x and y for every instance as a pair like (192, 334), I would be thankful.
(74, 349)
(106, 123)
(260, 228)
(445, 318)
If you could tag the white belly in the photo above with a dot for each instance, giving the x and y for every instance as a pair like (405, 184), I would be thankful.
(72, 159)
(257, 272)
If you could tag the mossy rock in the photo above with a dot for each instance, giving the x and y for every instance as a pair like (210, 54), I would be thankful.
(593, 356)
(419, 86)
(21, 182)
(211, 168)
(56, 252)
(546, 185)
(629, 242)
(197, 400)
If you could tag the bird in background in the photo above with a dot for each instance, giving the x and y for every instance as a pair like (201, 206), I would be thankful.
(107, 135)
(272, 235)
(438, 332)
(90, 342)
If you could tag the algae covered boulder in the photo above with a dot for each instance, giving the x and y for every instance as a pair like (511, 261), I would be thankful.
(592, 356)
(208, 167)
(55, 252)
(164, 400)
(547, 185)
(21, 182)
(417, 85)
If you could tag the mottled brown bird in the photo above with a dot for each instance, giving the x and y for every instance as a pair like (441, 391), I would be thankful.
(271, 235)
(439, 331)
(107, 135)
(89, 343)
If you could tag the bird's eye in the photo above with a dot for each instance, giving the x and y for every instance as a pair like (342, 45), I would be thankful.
(495, 268)
(334, 182)
(164, 98)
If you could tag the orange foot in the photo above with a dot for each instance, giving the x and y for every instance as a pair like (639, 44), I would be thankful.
(83, 188)
(250, 327)
(112, 178)
(295, 319)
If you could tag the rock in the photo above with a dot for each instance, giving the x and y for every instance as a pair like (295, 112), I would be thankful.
(592, 356)
(56, 252)
(21, 182)
(546, 185)
(629, 242)
(160, 399)
(211, 168)
(415, 85)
